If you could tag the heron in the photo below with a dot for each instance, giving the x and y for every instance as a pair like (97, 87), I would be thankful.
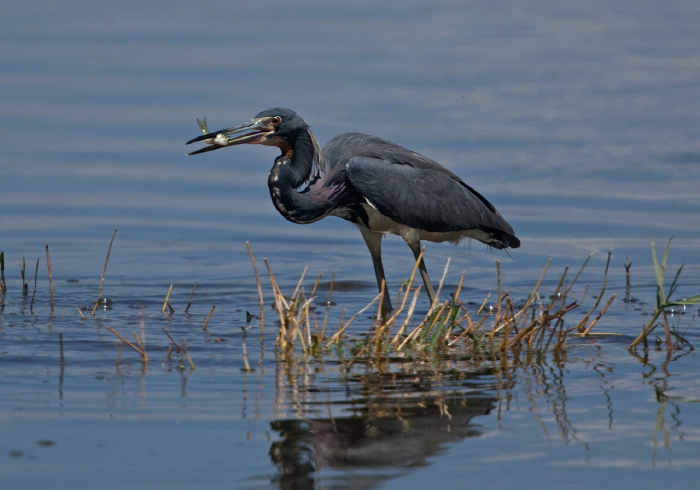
(379, 186)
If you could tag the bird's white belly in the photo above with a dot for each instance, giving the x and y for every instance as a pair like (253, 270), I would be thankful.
(382, 224)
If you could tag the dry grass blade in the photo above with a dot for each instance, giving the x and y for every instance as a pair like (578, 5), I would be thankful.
(257, 282)
(181, 348)
(338, 335)
(600, 314)
(206, 321)
(293, 312)
(409, 314)
(299, 282)
(50, 272)
(36, 273)
(247, 367)
(23, 274)
(166, 303)
(280, 301)
(187, 354)
(104, 272)
(442, 281)
(140, 348)
(189, 300)
(582, 324)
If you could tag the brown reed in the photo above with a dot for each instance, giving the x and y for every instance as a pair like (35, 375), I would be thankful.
(104, 272)
(504, 331)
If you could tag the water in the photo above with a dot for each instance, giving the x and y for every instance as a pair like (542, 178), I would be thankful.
(578, 121)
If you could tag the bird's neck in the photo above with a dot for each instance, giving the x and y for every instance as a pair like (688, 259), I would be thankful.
(295, 174)
(306, 160)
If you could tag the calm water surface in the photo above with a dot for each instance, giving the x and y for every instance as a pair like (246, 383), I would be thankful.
(580, 122)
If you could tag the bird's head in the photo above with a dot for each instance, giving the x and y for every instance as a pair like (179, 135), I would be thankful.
(274, 127)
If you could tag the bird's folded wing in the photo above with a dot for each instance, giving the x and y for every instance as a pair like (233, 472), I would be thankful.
(425, 199)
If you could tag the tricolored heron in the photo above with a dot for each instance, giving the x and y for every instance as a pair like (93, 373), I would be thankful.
(377, 185)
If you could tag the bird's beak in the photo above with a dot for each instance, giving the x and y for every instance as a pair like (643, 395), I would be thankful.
(253, 131)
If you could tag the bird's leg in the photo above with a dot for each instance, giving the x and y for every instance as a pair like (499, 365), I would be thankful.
(374, 244)
(415, 248)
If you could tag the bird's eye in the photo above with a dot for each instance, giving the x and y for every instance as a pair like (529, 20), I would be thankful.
(276, 120)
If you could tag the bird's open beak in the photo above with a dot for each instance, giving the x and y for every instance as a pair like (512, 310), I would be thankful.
(253, 131)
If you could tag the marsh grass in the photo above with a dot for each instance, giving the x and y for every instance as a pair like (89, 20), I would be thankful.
(189, 301)
(104, 272)
(50, 274)
(139, 345)
(166, 302)
(181, 349)
(506, 329)
(36, 273)
(23, 275)
(664, 306)
(257, 282)
(206, 320)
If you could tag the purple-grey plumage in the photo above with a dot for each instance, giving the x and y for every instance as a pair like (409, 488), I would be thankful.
(376, 184)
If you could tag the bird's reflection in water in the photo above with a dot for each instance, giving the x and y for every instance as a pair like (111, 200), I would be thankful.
(385, 435)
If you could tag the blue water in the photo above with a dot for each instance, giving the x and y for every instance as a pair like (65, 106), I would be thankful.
(578, 121)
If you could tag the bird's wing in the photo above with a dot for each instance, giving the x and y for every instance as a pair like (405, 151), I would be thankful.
(422, 198)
